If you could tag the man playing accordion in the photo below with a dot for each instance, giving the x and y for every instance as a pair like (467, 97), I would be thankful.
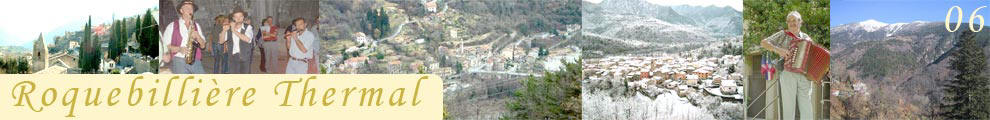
(796, 79)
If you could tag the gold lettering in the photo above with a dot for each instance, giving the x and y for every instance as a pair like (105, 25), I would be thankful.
(24, 95)
(326, 96)
(247, 95)
(416, 93)
(130, 97)
(372, 91)
(95, 97)
(402, 92)
(113, 94)
(288, 89)
(306, 89)
(72, 108)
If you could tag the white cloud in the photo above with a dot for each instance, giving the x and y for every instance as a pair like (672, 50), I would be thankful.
(24, 20)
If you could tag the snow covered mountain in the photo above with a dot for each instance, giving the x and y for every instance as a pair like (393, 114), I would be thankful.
(875, 30)
(871, 25)
(643, 8)
(905, 46)
(721, 21)
(897, 62)
(641, 20)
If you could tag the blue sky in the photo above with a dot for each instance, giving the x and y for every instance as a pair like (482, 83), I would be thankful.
(902, 11)
(23, 20)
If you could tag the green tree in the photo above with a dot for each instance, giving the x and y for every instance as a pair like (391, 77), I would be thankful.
(22, 66)
(114, 52)
(14, 65)
(763, 18)
(370, 21)
(966, 96)
(117, 41)
(148, 37)
(3, 64)
(137, 32)
(343, 54)
(557, 95)
(377, 23)
(96, 56)
(89, 57)
(83, 57)
(422, 70)
(125, 35)
(380, 55)
(543, 52)
(383, 24)
(458, 67)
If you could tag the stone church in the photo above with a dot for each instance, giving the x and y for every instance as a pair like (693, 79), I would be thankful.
(39, 57)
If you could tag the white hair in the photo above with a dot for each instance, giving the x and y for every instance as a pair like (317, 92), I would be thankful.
(794, 15)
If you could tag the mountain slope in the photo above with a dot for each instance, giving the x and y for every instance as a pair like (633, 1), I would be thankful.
(724, 20)
(636, 26)
(903, 62)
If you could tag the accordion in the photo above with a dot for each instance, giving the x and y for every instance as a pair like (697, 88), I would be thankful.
(808, 58)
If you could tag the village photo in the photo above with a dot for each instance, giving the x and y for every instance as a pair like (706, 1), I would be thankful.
(90, 37)
(491, 66)
(239, 37)
(656, 59)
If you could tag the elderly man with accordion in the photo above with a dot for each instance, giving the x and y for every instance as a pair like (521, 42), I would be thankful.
(804, 63)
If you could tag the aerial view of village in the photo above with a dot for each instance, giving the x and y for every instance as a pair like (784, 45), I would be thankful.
(485, 51)
(117, 38)
(662, 59)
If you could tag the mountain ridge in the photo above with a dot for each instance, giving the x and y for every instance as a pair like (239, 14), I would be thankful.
(896, 62)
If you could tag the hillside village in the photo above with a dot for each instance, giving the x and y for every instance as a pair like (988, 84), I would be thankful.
(62, 54)
(685, 75)
(673, 62)
(710, 85)
(481, 62)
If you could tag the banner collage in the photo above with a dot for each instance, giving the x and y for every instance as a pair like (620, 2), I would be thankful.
(494, 59)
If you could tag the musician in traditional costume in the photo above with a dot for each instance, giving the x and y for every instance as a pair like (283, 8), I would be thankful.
(184, 41)
(796, 80)
(239, 33)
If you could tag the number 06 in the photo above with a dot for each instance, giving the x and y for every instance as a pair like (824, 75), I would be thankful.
(974, 16)
(958, 21)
